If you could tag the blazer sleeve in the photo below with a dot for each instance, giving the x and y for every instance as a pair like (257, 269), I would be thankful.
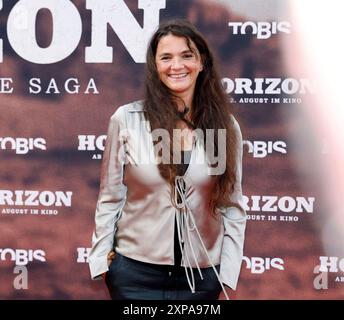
(234, 219)
(111, 198)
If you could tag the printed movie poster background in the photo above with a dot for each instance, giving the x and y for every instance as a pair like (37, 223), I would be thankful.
(64, 72)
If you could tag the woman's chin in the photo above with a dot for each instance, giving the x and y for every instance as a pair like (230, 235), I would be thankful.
(178, 89)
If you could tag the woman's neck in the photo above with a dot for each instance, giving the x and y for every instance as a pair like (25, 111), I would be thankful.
(184, 101)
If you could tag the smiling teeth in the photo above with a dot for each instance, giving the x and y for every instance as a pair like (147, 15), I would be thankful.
(178, 75)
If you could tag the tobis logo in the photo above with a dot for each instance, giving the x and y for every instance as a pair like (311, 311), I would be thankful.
(262, 29)
(259, 265)
(260, 149)
(22, 145)
(22, 257)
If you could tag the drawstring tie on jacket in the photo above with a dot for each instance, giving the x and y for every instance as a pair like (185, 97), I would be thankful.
(185, 224)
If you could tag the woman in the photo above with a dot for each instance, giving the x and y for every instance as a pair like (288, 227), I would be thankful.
(166, 229)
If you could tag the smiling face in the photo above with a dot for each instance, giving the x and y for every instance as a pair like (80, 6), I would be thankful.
(178, 66)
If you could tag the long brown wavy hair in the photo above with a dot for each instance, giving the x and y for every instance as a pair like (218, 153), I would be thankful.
(210, 107)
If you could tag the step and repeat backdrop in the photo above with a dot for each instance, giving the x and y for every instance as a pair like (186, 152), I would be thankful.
(66, 66)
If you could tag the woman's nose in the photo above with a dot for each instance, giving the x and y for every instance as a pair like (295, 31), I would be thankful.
(176, 63)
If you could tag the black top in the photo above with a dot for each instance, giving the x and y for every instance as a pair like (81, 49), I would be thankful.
(185, 157)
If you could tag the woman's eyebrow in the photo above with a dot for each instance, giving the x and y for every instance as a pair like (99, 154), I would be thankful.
(168, 53)
(188, 51)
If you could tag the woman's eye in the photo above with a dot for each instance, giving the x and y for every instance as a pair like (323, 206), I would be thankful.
(188, 56)
(164, 58)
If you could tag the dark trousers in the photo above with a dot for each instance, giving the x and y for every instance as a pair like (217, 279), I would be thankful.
(129, 279)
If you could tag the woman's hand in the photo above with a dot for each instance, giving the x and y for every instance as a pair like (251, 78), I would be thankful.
(111, 255)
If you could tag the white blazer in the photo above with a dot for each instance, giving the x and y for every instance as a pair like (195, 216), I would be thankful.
(135, 215)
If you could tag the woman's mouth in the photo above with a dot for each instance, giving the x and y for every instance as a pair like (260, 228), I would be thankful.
(178, 76)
